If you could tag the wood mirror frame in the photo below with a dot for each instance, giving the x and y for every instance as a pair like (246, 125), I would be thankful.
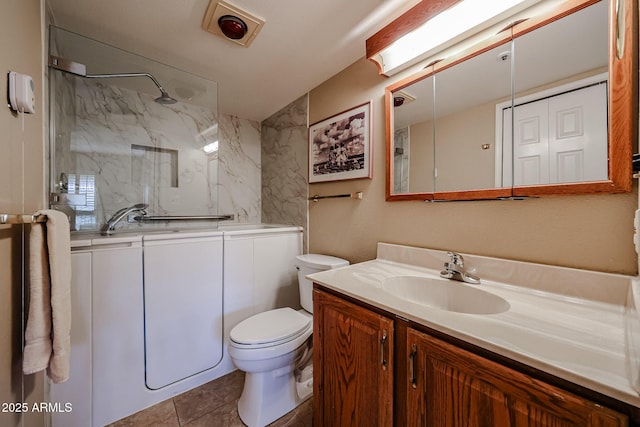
(622, 108)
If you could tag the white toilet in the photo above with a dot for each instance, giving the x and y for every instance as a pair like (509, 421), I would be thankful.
(274, 349)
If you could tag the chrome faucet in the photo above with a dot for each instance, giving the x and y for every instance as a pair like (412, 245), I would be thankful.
(454, 270)
(110, 226)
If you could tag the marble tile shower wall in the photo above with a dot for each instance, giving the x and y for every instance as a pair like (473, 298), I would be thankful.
(240, 169)
(134, 150)
(284, 165)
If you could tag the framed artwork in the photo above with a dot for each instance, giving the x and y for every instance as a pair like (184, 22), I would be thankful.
(340, 146)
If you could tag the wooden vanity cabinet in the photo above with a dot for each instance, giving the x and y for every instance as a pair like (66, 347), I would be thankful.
(353, 364)
(447, 386)
(436, 384)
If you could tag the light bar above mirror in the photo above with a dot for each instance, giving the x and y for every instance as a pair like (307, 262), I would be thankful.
(430, 27)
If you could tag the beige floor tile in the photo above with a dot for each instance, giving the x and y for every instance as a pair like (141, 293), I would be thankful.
(223, 416)
(214, 404)
(208, 397)
(162, 414)
(302, 416)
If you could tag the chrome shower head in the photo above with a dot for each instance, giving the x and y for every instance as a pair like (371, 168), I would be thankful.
(164, 98)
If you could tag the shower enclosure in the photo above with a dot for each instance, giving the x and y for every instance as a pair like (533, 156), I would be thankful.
(125, 131)
(133, 140)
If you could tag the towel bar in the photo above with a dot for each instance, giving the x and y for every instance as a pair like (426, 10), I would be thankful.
(357, 196)
(21, 218)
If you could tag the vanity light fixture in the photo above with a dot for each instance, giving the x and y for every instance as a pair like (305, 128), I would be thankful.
(231, 23)
(428, 28)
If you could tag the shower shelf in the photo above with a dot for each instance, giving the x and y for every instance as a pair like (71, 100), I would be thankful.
(184, 218)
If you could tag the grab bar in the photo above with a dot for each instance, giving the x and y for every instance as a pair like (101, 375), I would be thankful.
(141, 218)
(21, 218)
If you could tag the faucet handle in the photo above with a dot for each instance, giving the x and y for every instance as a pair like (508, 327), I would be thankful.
(456, 258)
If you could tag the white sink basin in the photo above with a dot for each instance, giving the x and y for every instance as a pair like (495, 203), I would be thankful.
(444, 294)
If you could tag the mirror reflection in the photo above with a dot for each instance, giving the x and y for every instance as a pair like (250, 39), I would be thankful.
(453, 131)
(466, 98)
(560, 105)
(413, 136)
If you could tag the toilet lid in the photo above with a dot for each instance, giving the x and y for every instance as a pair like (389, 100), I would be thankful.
(270, 326)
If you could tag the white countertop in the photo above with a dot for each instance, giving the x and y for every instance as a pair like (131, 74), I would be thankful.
(135, 235)
(80, 240)
(581, 340)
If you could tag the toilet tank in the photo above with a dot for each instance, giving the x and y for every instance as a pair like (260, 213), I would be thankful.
(309, 264)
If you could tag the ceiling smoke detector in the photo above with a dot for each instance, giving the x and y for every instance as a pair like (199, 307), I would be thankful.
(230, 22)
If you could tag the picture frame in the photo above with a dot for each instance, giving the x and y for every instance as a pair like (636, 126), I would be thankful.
(340, 147)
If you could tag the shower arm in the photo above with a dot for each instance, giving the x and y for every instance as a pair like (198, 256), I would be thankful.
(106, 76)
(78, 69)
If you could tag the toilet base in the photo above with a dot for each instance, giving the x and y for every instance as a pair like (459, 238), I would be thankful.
(268, 396)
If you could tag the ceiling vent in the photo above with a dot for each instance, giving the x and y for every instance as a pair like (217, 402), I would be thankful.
(230, 22)
(401, 97)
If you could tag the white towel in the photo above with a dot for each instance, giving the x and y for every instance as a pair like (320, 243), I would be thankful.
(48, 333)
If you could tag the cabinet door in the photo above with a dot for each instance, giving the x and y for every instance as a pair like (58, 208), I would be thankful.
(448, 386)
(353, 364)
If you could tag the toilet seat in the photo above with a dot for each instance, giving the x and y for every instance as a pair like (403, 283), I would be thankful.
(270, 328)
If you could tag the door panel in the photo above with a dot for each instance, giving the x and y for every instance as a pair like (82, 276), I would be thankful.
(531, 145)
(182, 308)
(558, 139)
(578, 135)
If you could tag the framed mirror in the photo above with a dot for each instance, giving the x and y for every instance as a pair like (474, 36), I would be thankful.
(574, 63)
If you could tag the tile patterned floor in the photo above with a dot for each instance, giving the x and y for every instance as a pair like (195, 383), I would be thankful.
(214, 404)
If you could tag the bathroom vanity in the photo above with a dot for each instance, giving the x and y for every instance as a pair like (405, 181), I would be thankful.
(531, 345)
